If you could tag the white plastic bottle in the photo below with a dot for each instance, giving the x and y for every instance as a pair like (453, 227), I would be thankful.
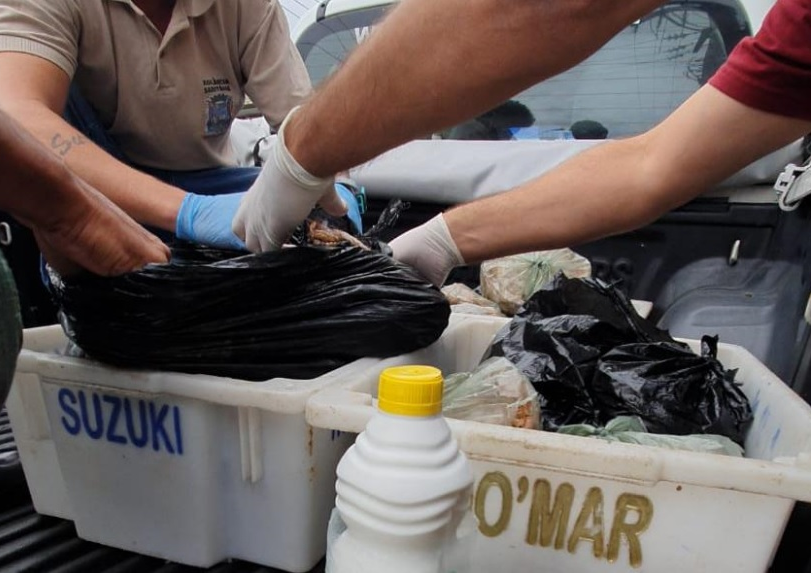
(404, 487)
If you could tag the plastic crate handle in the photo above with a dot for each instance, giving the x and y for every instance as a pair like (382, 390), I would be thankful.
(342, 410)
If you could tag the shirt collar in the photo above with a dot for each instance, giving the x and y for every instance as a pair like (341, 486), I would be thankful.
(196, 8)
(193, 8)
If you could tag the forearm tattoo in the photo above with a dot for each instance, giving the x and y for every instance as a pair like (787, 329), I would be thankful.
(63, 144)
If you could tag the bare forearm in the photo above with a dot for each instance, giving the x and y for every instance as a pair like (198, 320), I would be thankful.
(36, 184)
(597, 193)
(624, 184)
(143, 197)
(38, 187)
(75, 226)
(432, 64)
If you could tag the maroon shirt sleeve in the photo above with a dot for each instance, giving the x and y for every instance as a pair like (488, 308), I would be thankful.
(772, 70)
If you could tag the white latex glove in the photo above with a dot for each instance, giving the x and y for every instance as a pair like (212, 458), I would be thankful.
(430, 249)
(282, 196)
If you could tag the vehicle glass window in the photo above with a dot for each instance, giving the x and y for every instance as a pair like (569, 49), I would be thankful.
(626, 87)
(328, 53)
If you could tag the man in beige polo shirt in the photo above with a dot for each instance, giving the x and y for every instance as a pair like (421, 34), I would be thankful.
(154, 86)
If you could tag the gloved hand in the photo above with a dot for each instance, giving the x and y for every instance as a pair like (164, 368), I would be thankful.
(352, 207)
(430, 249)
(282, 196)
(206, 219)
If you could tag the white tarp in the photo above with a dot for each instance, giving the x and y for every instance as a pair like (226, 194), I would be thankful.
(451, 171)
(445, 171)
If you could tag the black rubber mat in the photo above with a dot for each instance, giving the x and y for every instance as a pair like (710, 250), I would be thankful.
(8, 451)
(12, 481)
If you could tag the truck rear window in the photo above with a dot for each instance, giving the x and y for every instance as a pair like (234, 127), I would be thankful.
(628, 86)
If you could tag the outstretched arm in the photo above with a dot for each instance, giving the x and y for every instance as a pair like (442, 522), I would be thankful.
(625, 184)
(609, 189)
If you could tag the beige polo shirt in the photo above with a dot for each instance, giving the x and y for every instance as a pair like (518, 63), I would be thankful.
(167, 100)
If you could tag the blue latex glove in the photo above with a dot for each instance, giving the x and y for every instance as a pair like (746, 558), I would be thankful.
(206, 219)
(352, 206)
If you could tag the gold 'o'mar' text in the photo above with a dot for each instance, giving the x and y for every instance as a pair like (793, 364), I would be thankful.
(550, 515)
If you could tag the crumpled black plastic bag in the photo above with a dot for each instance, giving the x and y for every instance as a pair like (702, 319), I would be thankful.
(559, 334)
(672, 389)
(607, 316)
(558, 356)
(564, 331)
(298, 312)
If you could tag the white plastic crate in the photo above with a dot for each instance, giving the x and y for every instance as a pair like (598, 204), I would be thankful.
(562, 503)
(190, 468)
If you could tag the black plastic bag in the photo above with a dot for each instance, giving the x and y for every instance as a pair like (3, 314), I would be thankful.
(672, 389)
(558, 336)
(606, 314)
(298, 312)
(556, 356)
(562, 333)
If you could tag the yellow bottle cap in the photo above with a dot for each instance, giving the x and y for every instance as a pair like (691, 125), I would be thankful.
(410, 391)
